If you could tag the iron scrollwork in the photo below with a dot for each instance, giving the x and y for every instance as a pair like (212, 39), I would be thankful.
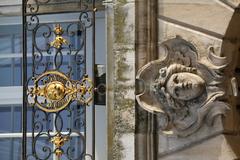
(37, 6)
(58, 93)
(33, 5)
(59, 43)
(61, 140)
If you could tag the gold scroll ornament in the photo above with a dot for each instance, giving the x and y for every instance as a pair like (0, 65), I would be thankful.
(53, 91)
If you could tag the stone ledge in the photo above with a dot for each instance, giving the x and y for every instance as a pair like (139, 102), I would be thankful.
(222, 147)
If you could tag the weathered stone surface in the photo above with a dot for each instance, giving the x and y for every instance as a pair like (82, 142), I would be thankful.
(121, 86)
(202, 41)
(216, 148)
(234, 3)
(124, 20)
(207, 15)
(204, 24)
(128, 143)
(123, 110)
(168, 145)
(124, 91)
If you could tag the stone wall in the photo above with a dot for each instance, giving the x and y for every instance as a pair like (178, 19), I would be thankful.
(205, 24)
(135, 32)
(121, 79)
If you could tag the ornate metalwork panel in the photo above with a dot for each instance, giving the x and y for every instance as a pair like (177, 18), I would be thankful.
(57, 89)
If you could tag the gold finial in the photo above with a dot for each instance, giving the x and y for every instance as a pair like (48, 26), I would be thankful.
(59, 40)
(58, 30)
(59, 141)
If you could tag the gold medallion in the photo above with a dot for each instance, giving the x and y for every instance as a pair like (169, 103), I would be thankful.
(53, 91)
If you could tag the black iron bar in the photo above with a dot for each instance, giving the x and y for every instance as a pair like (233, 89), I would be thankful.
(85, 71)
(93, 76)
(57, 12)
(24, 82)
(35, 99)
(13, 80)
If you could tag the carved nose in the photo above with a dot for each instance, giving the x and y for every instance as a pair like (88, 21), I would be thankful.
(187, 85)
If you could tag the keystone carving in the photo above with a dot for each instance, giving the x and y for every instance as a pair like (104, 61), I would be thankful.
(184, 89)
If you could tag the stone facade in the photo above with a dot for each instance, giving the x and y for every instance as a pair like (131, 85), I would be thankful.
(121, 79)
(210, 30)
(205, 24)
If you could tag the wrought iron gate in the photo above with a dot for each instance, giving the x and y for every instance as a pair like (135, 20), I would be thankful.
(57, 89)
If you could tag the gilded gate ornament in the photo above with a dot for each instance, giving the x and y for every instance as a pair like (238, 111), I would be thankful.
(59, 40)
(53, 91)
(59, 141)
(184, 89)
(58, 125)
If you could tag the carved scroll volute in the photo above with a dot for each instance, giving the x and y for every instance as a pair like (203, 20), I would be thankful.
(184, 89)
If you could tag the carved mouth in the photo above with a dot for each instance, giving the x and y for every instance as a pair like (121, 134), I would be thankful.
(187, 85)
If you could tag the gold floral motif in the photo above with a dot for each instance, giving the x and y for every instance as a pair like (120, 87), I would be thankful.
(59, 141)
(59, 40)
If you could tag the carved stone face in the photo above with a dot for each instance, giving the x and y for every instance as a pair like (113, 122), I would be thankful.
(185, 86)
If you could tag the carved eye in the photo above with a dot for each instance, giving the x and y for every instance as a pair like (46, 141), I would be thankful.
(162, 72)
(176, 91)
(175, 80)
(184, 48)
